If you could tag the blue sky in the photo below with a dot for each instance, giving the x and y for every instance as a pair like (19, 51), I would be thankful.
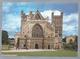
(11, 15)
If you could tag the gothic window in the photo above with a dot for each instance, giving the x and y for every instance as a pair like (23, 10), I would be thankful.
(60, 34)
(37, 31)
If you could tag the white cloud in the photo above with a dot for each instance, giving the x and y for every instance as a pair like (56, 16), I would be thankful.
(56, 12)
(6, 7)
(68, 28)
(49, 13)
(70, 24)
(11, 23)
(23, 3)
(71, 17)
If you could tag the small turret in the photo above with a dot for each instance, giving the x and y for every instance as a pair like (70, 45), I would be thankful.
(30, 13)
(22, 14)
(62, 14)
(37, 11)
(22, 19)
(52, 18)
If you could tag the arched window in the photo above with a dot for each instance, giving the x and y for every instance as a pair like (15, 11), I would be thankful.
(71, 41)
(37, 31)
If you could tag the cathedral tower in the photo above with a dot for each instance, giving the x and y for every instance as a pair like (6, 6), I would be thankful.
(57, 22)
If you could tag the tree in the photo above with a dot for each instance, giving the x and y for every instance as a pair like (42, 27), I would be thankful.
(12, 38)
(64, 39)
(5, 37)
(71, 45)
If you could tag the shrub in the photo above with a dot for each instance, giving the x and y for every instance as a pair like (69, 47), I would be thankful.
(70, 46)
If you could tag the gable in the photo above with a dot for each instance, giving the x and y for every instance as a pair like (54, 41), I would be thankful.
(38, 16)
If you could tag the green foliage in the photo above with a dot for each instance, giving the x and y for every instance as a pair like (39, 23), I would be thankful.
(5, 37)
(70, 46)
(64, 39)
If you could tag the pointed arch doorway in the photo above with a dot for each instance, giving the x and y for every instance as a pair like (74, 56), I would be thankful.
(37, 33)
(48, 46)
(36, 46)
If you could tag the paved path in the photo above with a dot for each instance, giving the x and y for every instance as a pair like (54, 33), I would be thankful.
(30, 50)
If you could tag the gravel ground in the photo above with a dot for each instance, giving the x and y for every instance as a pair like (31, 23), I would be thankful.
(30, 50)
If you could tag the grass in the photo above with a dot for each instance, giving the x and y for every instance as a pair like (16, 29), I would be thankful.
(5, 47)
(59, 53)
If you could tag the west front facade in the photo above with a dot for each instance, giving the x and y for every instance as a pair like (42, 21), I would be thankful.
(38, 33)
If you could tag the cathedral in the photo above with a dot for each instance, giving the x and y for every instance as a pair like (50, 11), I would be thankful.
(38, 33)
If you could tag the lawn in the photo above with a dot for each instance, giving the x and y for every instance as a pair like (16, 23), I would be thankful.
(59, 53)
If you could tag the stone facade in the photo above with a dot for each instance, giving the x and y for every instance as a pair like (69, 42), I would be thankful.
(71, 39)
(38, 33)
